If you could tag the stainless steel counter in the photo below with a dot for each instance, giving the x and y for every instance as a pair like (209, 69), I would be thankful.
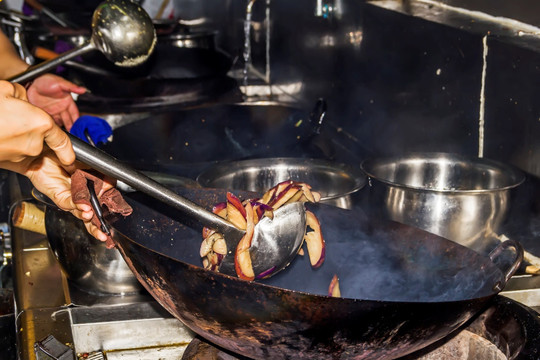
(126, 327)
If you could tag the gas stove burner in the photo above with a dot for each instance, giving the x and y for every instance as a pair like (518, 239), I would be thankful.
(505, 330)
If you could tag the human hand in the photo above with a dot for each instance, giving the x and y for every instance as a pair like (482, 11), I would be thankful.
(53, 179)
(53, 94)
(25, 130)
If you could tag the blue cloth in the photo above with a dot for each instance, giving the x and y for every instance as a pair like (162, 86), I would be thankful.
(98, 129)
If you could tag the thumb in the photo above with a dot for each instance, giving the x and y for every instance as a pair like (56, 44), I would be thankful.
(59, 142)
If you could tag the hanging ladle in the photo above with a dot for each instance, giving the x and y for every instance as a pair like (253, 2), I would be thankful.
(275, 242)
(121, 30)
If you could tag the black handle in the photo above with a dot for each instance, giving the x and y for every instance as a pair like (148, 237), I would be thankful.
(96, 206)
(317, 115)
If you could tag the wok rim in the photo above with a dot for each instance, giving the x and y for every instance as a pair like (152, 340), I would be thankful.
(255, 283)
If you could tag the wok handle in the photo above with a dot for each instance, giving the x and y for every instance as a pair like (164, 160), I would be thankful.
(515, 265)
(96, 206)
(108, 165)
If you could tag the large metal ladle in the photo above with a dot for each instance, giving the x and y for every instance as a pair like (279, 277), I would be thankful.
(121, 30)
(275, 242)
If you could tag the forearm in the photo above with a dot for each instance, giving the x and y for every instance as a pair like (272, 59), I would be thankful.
(10, 64)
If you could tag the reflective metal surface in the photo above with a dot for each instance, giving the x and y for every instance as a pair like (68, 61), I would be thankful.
(276, 241)
(87, 262)
(461, 198)
(335, 181)
(121, 30)
(196, 39)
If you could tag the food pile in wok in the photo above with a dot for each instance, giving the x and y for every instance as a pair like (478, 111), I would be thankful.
(246, 214)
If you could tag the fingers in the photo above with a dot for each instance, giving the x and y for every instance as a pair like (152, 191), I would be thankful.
(86, 217)
(26, 127)
(108, 183)
(13, 89)
(52, 180)
(59, 142)
(19, 92)
(67, 119)
(95, 231)
(54, 94)
(68, 86)
(58, 120)
(70, 115)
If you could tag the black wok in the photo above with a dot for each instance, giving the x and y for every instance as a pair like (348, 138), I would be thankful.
(166, 62)
(402, 288)
(171, 76)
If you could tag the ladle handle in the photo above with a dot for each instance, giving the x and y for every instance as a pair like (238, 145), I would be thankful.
(112, 167)
(37, 6)
(41, 68)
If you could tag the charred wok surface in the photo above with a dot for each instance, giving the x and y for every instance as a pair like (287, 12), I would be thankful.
(403, 288)
(505, 330)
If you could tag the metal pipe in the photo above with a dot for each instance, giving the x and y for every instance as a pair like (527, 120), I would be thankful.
(110, 166)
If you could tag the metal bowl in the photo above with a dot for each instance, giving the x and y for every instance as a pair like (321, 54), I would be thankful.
(336, 182)
(460, 198)
(194, 39)
(86, 261)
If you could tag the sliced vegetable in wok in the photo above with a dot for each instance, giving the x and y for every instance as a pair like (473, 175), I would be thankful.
(333, 289)
(246, 214)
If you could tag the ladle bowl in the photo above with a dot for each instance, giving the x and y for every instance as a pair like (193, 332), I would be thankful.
(122, 30)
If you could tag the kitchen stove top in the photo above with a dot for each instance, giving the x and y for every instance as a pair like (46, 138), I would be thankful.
(161, 94)
(53, 311)
(57, 318)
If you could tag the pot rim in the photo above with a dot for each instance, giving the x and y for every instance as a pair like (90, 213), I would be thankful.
(228, 167)
(368, 166)
(190, 35)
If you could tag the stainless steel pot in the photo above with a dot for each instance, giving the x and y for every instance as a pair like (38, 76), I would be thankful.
(193, 39)
(460, 198)
(87, 262)
(336, 182)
